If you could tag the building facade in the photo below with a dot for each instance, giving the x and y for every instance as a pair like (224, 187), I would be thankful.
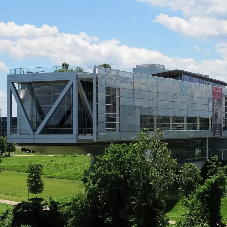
(93, 109)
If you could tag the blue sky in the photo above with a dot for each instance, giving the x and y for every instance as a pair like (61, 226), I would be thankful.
(181, 34)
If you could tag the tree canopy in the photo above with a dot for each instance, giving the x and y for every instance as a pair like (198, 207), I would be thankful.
(34, 181)
(107, 66)
(126, 186)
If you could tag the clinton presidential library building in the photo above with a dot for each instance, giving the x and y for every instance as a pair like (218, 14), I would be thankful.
(77, 112)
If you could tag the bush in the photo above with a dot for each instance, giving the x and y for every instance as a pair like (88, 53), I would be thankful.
(27, 213)
(189, 179)
(35, 215)
(6, 218)
(205, 204)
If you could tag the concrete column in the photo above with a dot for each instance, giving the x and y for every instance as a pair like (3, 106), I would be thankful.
(209, 123)
(155, 122)
(94, 105)
(207, 148)
(75, 107)
(92, 159)
(171, 123)
(117, 109)
(222, 155)
(185, 123)
(198, 123)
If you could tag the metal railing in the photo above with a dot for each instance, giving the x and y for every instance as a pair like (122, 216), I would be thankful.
(51, 69)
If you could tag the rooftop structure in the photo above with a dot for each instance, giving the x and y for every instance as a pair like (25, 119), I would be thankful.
(149, 69)
(191, 77)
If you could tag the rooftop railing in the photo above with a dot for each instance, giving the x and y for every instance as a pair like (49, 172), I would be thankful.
(51, 69)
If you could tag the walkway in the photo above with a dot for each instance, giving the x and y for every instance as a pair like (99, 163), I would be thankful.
(8, 202)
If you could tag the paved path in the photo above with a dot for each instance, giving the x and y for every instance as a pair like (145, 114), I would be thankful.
(32, 155)
(8, 202)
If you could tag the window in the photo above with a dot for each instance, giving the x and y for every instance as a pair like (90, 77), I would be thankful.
(191, 123)
(163, 123)
(204, 124)
(147, 121)
(178, 123)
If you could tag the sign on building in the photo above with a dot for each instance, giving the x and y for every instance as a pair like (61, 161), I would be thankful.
(217, 110)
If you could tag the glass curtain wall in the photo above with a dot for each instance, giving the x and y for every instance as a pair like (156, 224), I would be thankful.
(84, 124)
(38, 99)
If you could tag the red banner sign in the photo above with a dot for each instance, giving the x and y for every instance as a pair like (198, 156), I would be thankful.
(216, 92)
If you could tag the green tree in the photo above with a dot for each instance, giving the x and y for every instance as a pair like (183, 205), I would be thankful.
(10, 147)
(79, 69)
(126, 185)
(3, 145)
(107, 66)
(204, 205)
(65, 65)
(34, 181)
(189, 179)
(214, 166)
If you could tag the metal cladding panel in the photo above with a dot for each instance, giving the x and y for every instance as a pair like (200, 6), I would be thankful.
(148, 95)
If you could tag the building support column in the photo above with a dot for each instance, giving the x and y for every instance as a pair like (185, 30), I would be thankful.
(75, 108)
(155, 122)
(207, 148)
(185, 123)
(198, 123)
(117, 109)
(171, 123)
(210, 124)
(94, 105)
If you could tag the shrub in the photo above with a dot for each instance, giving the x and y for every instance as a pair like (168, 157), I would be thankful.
(6, 218)
(205, 204)
(35, 214)
(189, 179)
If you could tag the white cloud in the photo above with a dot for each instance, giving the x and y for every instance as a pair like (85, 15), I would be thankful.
(86, 51)
(82, 50)
(195, 26)
(11, 30)
(132, 17)
(3, 67)
(193, 7)
(201, 18)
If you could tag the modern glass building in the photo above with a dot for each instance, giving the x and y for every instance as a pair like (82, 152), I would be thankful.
(90, 110)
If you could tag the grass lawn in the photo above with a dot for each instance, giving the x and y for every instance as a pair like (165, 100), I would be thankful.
(3, 207)
(68, 167)
(176, 210)
(13, 187)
